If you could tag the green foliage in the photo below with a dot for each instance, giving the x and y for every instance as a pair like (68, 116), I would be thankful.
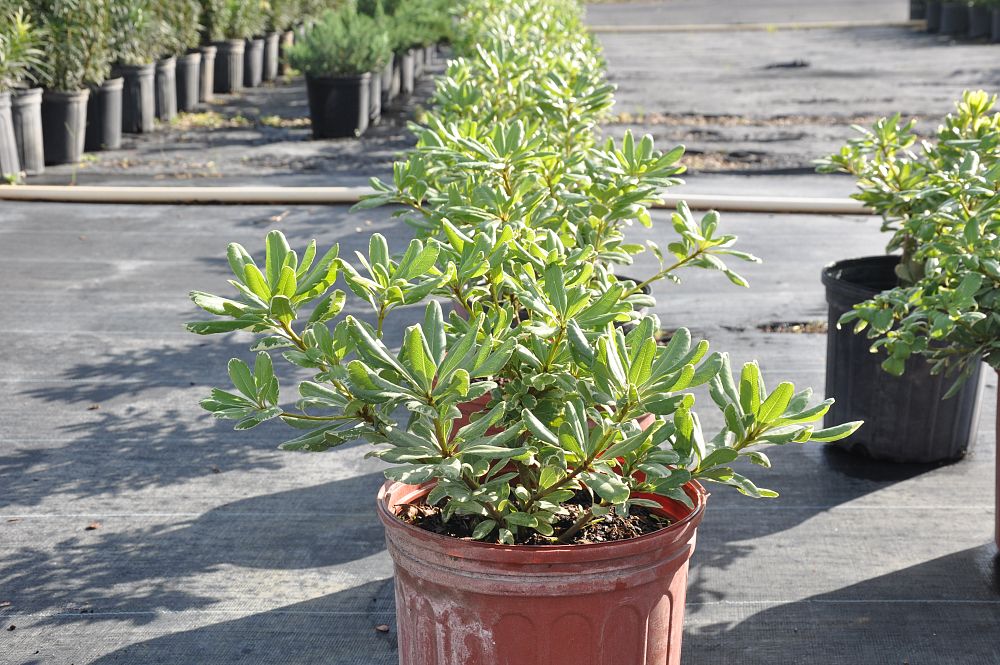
(521, 219)
(137, 31)
(943, 207)
(417, 23)
(341, 43)
(280, 15)
(232, 19)
(21, 51)
(179, 25)
(76, 47)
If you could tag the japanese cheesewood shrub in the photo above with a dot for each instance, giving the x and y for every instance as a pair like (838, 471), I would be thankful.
(943, 205)
(567, 386)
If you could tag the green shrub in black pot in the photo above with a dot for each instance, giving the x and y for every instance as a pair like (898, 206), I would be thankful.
(337, 55)
(19, 55)
(918, 413)
(76, 53)
(136, 38)
(180, 26)
(280, 16)
(228, 24)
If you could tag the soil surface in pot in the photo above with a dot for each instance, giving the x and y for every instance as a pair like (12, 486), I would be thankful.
(639, 522)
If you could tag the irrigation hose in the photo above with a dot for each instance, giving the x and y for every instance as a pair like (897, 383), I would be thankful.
(350, 195)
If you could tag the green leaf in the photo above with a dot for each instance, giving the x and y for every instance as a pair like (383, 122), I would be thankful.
(242, 378)
(835, 433)
(776, 403)
(538, 428)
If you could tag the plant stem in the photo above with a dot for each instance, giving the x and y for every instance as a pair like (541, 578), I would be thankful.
(573, 529)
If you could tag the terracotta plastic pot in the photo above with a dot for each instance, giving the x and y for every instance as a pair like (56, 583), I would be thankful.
(339, 106)
(467, 603)
(906, 417)
(10, 162)
(933, 15)
(188, 81)
(954, 18)
(138, 98)
(27, 108)
(253, 63)
(64, 125)
(272, 45)
(206, 87)
(104, 116)
(166, 89)
(980, 21)
(229, 65)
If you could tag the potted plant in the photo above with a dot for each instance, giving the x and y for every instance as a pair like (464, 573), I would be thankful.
(136, 35)
(950, 313)
(104, 106)
(19, 56)
(75, 51)
(980, 18)
(181, 31)
(280, 15)
(547, 468)
(934, 15)
(228, 24)
(253, 52)
(955, 18)
(911, 419)
(337, 55)
(586, 433)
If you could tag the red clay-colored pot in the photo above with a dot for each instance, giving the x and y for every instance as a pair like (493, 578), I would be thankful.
(460, 602)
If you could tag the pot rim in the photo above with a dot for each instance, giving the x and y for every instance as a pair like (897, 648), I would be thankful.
(341, 78)
(472, 549)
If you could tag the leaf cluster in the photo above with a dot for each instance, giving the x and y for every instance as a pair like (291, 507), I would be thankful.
(341, 42)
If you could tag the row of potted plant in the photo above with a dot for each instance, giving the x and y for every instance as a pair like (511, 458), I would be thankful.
(934, 310)
(358, 56)
(544, 454)
(975, 19)
(108, 66)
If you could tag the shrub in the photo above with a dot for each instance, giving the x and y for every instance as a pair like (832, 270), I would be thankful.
(341, 43)
(232, 19)
(21, 55)
(77, 48)
(179, 23)
(137, 32)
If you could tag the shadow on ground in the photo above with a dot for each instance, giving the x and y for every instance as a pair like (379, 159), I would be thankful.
(139, 571)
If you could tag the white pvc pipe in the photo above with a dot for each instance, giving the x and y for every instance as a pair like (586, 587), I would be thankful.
(753, 27)
(350, 195)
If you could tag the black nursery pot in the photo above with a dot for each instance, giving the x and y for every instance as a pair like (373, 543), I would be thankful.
(375, 97)
(253, 63)
(206, 86)
(138, 98)
(229, 65)
(906, 418)
(10, 163)
(339, 106)
(104, 116)
(933, 10)
(407, 71)
(287, 40)
(64, 125)
(954, 18)
(27, 108)
(995, 25)
(390, 82)
(188, 81)
(918, 10)
(166, 89)
(272, 44)
(980, 21)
